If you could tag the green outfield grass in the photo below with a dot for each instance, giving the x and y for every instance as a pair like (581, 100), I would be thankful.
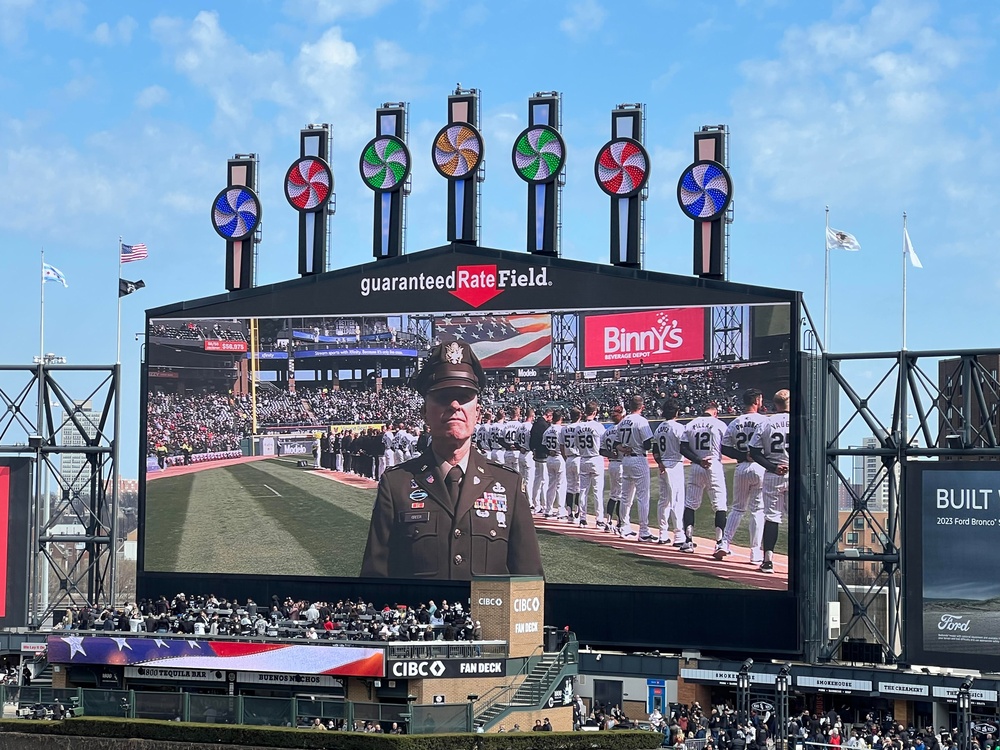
(272, 518)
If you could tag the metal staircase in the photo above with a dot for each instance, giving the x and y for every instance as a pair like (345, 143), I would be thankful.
(546, 672)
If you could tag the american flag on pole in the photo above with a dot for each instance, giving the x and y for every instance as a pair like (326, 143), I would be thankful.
(501, 341)
(134, 252)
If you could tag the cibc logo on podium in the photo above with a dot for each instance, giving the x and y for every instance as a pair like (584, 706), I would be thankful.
(512, 609)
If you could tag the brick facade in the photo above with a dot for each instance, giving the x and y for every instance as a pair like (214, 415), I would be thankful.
(511, 609)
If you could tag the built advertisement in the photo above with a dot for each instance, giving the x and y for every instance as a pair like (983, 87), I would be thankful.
(954, 593)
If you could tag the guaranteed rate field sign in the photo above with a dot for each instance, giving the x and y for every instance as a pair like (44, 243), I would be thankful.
(959, 591)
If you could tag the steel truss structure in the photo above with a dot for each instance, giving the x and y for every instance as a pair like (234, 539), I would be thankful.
(565, 353)
(728, 324)
(917, 405)
(40, 415)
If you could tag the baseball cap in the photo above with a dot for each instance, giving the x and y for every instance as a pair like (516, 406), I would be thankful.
(450, 365)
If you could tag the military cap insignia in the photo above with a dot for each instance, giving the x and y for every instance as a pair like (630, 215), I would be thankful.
(453, 353)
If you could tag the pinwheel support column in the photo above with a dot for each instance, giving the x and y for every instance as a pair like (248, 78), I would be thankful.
(385, 168)
(309, 190)
(622, 171)
(704, 192)
(539, 155)
(458, 154)
(236, 215)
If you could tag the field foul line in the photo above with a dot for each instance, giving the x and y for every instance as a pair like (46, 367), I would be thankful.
(276, 493)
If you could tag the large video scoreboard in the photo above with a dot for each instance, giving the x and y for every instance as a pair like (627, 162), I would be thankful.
(248, 524)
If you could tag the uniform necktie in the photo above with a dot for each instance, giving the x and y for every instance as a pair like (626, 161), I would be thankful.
(454, 482)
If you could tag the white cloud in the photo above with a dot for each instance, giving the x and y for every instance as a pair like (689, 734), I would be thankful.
(326, 70)
(405, 71)
(327, 11)
(65, 14)
(585, 17)
(13, 14)
(79, 87)
(475, 15)
(120, 33)
(852, 113)
(320, 84)
(390, 56)
(151, 96)
(233, 76)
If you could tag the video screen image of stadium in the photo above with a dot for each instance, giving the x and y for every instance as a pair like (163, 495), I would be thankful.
(265, 438)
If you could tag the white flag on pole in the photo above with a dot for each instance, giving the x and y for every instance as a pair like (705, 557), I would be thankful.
(909, 251)
(838, 240)
(51, 273)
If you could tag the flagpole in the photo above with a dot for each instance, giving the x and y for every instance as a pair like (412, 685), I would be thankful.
(904, 281)
(826, 285)
(41, 311)
(118, 338)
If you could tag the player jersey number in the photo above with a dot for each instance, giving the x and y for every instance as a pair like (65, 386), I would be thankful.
(625, 435)
(702, 441)
(586, 440)
(661, 444)
(550, 442)
(779, 443)
(742, 440)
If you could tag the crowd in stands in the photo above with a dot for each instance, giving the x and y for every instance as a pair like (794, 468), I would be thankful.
(691, 390)
(288, 618)
(274, 407)
(197, 331)
(187, 424)
(213, 421)
(363, 407)
(722, 728)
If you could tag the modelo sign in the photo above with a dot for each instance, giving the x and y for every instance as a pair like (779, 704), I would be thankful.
(447, 668)
(649, 337)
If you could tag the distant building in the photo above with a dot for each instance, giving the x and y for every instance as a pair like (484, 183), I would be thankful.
(871, 477)
(73, 467)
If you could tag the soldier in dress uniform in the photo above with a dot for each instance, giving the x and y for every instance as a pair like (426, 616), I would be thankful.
(450, 513)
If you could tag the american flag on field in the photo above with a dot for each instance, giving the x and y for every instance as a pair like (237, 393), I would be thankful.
(134, 252)
(501, 341)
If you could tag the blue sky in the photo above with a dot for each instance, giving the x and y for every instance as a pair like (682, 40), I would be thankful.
(118, 119)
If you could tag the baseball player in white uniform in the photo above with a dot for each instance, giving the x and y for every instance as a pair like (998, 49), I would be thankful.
(399, 445)
(481, 436)
(667, 452)
(497, 449)
(388, 458)
(702, 446)
(511, 427)
(555, 467)
(769, 448)
(635, 438)
(746, 479)
(525, 461)
(589, 434)
(609, 449)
